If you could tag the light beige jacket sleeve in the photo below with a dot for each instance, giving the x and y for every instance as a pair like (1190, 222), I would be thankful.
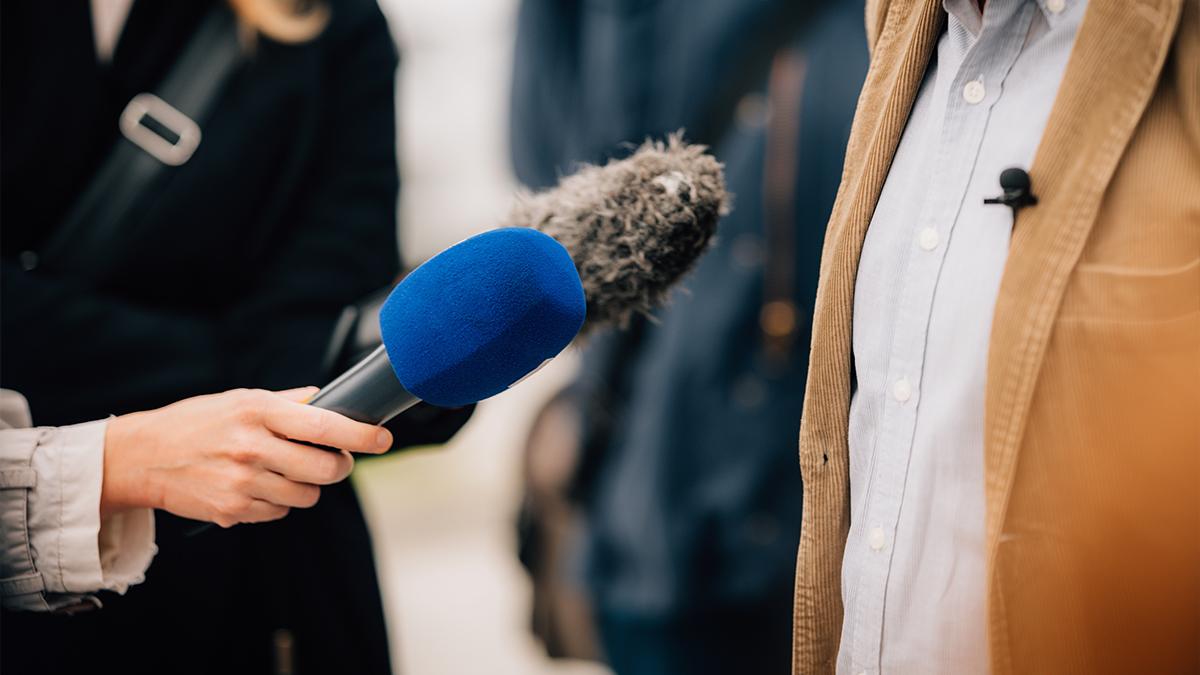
(56, 551)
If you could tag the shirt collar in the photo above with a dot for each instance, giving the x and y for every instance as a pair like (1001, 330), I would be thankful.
(966, 12)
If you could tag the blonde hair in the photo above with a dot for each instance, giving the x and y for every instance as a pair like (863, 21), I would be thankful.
(288, 21)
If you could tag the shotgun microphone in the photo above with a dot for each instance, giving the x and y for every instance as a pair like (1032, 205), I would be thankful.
(634, 226)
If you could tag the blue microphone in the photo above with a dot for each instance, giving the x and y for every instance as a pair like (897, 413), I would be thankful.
(464, 326)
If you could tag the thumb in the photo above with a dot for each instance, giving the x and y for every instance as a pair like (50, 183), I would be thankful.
(299, 394)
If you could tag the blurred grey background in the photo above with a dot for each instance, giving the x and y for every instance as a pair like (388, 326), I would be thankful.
(457, 600)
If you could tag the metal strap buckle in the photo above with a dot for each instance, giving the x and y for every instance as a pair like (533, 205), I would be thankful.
(187, 132)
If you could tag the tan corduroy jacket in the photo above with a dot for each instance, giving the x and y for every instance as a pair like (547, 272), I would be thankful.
(1092, 418)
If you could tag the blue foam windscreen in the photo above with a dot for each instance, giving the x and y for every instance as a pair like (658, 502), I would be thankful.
(481, 315)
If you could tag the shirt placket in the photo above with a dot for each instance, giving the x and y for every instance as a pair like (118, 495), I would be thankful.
(967, 103)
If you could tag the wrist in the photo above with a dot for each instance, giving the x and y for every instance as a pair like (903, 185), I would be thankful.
(125, 484)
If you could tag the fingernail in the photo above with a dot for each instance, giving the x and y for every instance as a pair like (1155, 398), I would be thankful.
(383, 440)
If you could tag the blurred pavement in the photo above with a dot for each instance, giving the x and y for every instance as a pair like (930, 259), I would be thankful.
(456, 598)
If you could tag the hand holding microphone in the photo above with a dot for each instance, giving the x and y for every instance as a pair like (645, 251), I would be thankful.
(608, 243)
(227, 458)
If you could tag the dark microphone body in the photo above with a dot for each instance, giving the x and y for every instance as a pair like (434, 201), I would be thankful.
(368, 392)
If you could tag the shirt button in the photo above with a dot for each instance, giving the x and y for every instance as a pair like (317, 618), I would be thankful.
(876, 539)
(1056, 6)
(902, 390)
(29, 260)
(928, 239)
(974, 92)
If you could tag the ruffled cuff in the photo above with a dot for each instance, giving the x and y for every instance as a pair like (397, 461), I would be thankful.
(75, 553)
(126, 548)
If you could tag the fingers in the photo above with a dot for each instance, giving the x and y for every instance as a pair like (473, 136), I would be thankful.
(304, 464)
(324, 427)
(259, 511)
(299, 394)
(242, 509)
(274, 488)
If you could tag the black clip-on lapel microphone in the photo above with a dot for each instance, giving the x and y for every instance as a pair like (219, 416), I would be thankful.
(1018, 191)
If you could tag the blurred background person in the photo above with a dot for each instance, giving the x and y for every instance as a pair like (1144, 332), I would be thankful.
(229, 267)
(684, 429)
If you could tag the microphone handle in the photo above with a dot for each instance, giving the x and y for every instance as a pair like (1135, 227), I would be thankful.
(369, 392)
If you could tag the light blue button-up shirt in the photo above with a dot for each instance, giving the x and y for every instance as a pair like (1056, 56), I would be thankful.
(913, 574)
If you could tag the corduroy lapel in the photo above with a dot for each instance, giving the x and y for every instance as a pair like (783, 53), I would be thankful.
(1111, 76)
(898, 67)
(903, 43)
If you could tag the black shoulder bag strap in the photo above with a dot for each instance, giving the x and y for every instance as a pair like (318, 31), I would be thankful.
(159, 131)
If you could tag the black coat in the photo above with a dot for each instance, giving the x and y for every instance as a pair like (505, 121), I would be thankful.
(242, 260)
